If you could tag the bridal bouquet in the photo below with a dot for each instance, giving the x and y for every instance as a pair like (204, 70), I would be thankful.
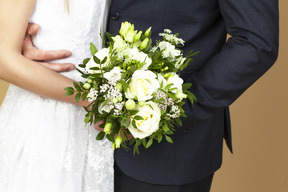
(134, 87)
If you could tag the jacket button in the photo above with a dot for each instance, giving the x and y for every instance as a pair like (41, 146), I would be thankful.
(115, 16)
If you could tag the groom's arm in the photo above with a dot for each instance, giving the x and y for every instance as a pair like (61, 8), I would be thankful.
(248, 54)
(44, 57)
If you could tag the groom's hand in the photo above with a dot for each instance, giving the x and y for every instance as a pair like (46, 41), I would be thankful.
(97, 126)
(123, 135)
(42, 56)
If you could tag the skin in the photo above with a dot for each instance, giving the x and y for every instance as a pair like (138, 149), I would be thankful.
(33, 75)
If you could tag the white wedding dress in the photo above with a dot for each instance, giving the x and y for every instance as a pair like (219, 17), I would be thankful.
(45, 145)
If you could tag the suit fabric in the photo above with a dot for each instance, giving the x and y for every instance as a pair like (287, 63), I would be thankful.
(220, 73)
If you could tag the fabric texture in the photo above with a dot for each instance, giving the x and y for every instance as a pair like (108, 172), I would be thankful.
(124, 183)
(44, 144)
(220, 73)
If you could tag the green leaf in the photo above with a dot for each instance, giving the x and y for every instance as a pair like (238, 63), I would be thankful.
(187, 85)
(144, 142)
(87, 119)
(138, 142)
(175, 88)
(132, 140)
(170, 132)
(168, 139)
(123, 121)
(94, 68)
(93, 49)
(110, 137)
(172, 96)
(96, 59)
(85, 61)
(133, 112)
(168, 86)
(134, 124)
(191, 97)
(77, 97)
(135, 150)
(69, 89)
(104, 60)
(138, 118)
(68, 93)
(100, 136)
(124, 85)
(109, 36)
(165, 128)
(178, 121)
(84, 96)
(77, 87)
(160, 137)
(150, 142)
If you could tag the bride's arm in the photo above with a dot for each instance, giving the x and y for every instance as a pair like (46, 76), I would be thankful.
(14, 67)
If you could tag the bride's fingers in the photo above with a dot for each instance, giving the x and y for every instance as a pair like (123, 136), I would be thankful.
(58, 67)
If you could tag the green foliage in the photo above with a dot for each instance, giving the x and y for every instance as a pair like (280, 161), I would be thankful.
(100, 136)
(93, 49)
(164, 65)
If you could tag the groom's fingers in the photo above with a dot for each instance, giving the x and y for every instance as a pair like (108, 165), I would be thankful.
(43, 55)
(97, 126)
(32, 29)
(32, 53)
(58, 67)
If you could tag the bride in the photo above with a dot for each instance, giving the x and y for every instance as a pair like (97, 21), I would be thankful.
(44, 143)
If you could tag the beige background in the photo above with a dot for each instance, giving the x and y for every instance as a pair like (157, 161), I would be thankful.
(260, 130)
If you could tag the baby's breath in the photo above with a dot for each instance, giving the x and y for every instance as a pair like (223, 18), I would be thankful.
(92, 95)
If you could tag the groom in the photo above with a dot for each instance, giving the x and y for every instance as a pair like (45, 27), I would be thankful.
(220, 73)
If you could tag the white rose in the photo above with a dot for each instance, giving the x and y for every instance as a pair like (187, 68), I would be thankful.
(103, 107)
(101, 54)
(143, 84)
(151, 115)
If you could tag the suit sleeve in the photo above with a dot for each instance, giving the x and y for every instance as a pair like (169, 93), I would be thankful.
(246, 56)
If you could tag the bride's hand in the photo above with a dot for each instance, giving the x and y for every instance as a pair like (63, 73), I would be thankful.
(42, 56)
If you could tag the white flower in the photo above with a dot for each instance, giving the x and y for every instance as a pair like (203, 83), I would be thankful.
(113, 76)
(151, 115)
(162, 80)
(104, 88)
(169, 50)
(180, 61)
(101, 54)
(119, 42)
(177, 82)
(92, 95)
(168, 31)
(104, 107)
(134, 54)
(172, 38)
(143, 84)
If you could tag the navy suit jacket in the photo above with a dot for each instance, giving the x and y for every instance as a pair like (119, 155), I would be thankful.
(220, 73)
